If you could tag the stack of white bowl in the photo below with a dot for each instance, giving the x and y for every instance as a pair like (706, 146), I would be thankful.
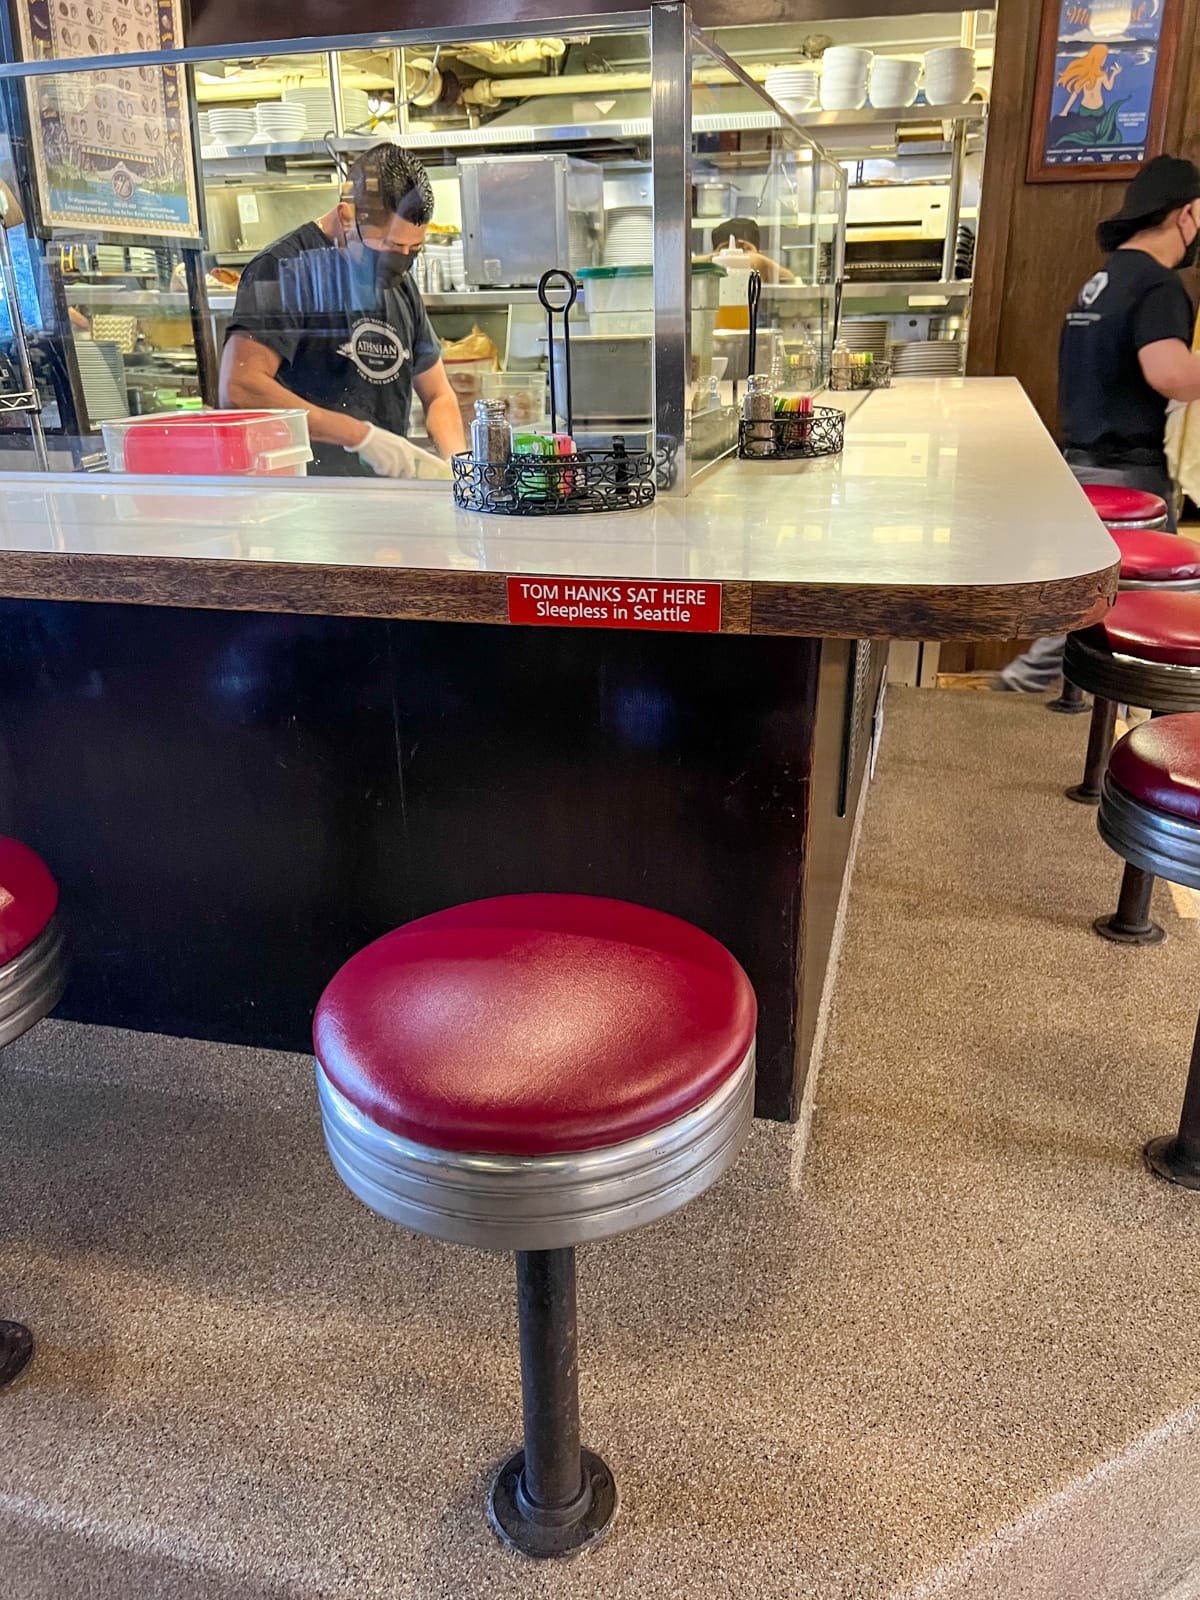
(845, 70)
(280, 123)
(232, 124)
(949, 75)
(894, 81)
(795, 88)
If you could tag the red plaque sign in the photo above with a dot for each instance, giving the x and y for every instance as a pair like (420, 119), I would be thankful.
(671, 605)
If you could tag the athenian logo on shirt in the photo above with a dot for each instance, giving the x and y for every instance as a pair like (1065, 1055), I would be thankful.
(376, 351)
(1093, 289)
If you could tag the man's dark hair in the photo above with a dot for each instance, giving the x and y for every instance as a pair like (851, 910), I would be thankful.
(387, 182)
(1111, 235)
(733, 229)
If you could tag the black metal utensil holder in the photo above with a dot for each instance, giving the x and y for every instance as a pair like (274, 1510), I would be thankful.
(795, 437)
(877, 376)
(548, 486)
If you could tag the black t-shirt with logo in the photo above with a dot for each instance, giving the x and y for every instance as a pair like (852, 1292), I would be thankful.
(343, 342)
(1105, 404)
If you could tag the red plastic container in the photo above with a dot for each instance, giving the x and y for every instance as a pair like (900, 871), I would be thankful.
(181, 444)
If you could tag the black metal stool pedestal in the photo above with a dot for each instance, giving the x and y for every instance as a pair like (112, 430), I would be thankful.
(1176, 1156)
(552, 1497)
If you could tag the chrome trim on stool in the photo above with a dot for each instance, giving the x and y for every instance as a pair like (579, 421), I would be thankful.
(1156, 841)
(538, 1202)
(32, 983)
(1157, 685)
(1162, 585)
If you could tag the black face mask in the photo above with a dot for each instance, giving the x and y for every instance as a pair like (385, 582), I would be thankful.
(388, 268)
(1192, 254)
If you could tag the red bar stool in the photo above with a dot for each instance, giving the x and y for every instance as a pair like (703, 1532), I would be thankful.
(1150, 815)
(1154, 560)
(529, 1073)
(1129, 508)
(1146, 652)
(1149, 560)
(32, 974)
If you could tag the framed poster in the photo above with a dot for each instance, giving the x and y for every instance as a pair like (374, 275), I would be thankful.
(1103, 74)
(112, 148)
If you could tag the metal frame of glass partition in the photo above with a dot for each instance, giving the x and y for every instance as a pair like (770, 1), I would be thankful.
(674, 42)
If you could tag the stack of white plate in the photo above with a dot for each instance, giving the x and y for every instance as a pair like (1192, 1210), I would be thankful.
(949, 75)
(629, 239)
(867, 333)
(205, 126)
(318, 108)
(102, 373)
(356, 112)
(928, 358)
(894, 81)
(143, 261)
(110, 258)
(279, 123)
(845, 70)
(232, 124)
(795, 88)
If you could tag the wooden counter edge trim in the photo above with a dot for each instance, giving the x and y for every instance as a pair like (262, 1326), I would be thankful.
(416, 594)
(958, 611)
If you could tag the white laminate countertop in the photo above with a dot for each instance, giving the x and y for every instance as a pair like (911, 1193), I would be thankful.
(947, 489)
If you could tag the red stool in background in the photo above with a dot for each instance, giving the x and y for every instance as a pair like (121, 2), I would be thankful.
(526, 1074)
(32, 974)
(1150, 815)
(1128, 508)
(1149, 560)
(1146, 652)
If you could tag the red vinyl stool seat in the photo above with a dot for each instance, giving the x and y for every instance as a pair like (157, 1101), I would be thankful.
(1151, 625)
(529, 1073)
(1149, 557)
(1150, 815)
(32, 973)
(1133, 507)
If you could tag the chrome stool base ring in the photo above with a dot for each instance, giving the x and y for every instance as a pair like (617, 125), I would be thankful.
(540, 1534)
(1081, 794)
(1168, 1158)
(16, 1351)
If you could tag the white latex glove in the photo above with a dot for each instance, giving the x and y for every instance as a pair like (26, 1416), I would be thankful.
(389, 454)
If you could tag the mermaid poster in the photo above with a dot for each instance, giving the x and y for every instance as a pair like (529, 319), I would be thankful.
(1103, 74)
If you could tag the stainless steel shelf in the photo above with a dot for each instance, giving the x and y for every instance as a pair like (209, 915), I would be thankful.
(954, 288)
(95, 294)
(515, 135)
(479, 299)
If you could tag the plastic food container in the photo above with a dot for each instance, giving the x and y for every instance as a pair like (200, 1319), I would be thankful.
(240, 444)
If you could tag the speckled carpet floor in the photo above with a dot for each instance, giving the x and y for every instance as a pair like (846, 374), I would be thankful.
(959, 1359)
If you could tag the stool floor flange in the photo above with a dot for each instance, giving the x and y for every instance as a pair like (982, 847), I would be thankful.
(1168, 1158)
(16, 1350)
(553, 1537)
(1082, 795)
(1117, 933)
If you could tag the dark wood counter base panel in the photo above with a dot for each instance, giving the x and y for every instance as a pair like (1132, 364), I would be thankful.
(234, 802)
(841, 611)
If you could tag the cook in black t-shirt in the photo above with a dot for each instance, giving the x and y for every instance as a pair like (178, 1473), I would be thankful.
(329, 317)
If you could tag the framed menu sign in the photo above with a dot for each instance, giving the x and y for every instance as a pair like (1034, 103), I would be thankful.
(112, 148)
(1100, 99)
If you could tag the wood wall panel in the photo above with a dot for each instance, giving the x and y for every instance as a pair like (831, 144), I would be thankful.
(1037, 240)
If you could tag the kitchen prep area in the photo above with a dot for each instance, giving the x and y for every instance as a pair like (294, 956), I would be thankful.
(841, 161)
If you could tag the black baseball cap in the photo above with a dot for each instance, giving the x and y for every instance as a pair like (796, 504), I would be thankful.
(1162, 185)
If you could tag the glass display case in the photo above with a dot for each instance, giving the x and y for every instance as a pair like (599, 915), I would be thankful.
(628, 138)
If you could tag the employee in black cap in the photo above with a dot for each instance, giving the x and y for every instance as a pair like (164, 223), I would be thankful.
(1124, 353)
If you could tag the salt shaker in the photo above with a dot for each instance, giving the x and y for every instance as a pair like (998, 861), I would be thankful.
(758, 410)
